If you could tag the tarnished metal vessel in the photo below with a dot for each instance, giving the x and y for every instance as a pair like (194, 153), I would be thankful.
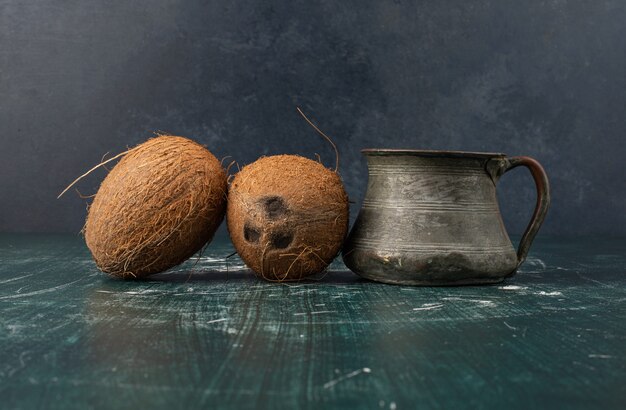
(432, 218)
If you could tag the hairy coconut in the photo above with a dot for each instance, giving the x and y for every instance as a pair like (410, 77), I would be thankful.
(158, 206)
(287, 216)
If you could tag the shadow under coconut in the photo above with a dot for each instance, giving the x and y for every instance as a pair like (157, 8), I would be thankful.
(246, 275)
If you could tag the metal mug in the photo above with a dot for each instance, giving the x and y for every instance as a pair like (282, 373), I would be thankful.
(432, 218)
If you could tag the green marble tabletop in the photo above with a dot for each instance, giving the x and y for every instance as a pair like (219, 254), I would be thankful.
(209, 334)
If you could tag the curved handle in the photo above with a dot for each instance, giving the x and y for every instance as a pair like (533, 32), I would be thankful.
(499, 166)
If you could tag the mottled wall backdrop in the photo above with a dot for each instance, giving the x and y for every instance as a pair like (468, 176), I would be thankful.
(82, 78)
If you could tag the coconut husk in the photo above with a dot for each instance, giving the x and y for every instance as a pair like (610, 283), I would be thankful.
(287, 216)
(157, 207)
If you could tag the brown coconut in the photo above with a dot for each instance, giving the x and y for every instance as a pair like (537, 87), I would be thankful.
(287, 216)
(157, 207)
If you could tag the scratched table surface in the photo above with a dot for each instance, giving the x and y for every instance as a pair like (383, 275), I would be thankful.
(209, 334)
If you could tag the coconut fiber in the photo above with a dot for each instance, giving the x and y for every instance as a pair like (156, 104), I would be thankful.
(287, 216)
(157, 207)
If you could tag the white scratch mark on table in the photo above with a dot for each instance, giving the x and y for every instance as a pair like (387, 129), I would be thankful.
(319, 312)
(509, 326)
(600, 356)
(333, 382)
(592, 280)
(39, 292)
(2, 282)
(544, 293)
(217, 320)
(429, 306)
(481, 302)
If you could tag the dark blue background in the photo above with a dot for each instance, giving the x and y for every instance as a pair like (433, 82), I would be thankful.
(547, 79)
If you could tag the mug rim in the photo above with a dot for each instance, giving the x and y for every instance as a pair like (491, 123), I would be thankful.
(429, 153)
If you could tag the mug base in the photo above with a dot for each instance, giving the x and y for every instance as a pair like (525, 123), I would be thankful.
(466, 281)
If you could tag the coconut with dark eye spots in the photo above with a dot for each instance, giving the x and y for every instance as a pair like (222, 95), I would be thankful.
(287, 216)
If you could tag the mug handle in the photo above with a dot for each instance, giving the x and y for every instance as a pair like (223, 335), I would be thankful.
(497, 167)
